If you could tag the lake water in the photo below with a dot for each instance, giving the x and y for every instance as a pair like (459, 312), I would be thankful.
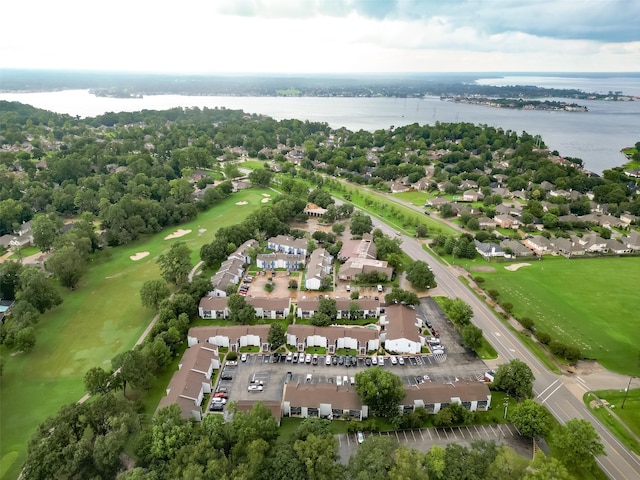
(596, 136)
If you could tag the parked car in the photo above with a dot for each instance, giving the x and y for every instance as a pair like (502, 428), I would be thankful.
(289, 356)
(401, 360)
(360, 436)
(243, 357)
(223, 401)
(367, 361)
(314, 360)
(216, 407)
(327, 361)
(220, 395)
(374, 360)
(341, 360)
(381, 360)
(301, 357)
(255, 388)
(379, 288)
(437, 351)
(394, 360)
(307, 358)
(295, 358)
(226, 376)
(288, 377)
(334, 360)
(428, 324)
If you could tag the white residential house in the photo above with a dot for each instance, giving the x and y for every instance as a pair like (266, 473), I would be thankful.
(401, 330)
(319, 267)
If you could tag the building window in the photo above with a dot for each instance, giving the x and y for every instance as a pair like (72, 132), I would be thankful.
(296, 411)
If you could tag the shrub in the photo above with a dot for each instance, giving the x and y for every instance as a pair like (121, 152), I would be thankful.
(507, 307)
(269, 287)
(572, 353)
(526, 322)
(543, 337)
(232, 356)
(479, 280)
(557, 348)
(494, 294)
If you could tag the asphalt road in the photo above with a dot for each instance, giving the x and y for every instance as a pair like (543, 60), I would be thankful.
(562, 395)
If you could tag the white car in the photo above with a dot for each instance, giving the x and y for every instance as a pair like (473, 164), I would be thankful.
(394, 360)
(374, 360)
(255, 388)
(360, 436)
(401, 360)
(243, 357)
(222, 401)
(308, 358)
(381, 361)
(327, 361)
(289, 356)
(301, 357)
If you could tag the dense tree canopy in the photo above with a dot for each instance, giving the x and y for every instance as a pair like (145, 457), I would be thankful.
(381, 391)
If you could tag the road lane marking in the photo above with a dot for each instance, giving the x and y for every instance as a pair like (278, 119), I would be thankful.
(542, 392)
(554, 391)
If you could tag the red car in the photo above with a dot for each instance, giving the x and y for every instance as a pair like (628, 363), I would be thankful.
(436, 333)
(220, 395)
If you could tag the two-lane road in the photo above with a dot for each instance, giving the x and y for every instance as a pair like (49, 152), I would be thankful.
(561, 394)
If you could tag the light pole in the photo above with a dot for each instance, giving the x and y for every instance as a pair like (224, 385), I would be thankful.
(506, 405)
(626, 392)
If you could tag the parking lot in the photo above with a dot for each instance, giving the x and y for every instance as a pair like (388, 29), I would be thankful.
(424, 439)
(456, 364)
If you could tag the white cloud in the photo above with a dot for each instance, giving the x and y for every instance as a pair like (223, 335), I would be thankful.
(314, 36)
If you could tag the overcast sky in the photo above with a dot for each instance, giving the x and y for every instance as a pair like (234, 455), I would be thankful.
(326, 36)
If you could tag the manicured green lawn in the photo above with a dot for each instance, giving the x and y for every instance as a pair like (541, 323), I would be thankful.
(98, 320)
(591, 303)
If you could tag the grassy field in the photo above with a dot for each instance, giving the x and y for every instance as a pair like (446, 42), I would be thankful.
(98, 320)
(590, 303)
(630, 414)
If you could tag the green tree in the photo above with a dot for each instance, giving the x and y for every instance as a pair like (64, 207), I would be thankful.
(320, 320)
(399, 295)
(408, 464)
(531, 419)
(515, 378)
(68, 265)
(327, 306)
(421, 231)
(25, 339)
(132, 368)
(175, 265)
(338, 228)
(373, 459)
(547, 468)
(436, 464)
(360, 224)
(471, 336)
(577, 444)
(37, 290)
(9, 279)
(153, 292)
(260, 177)
(319, 454)
(420, 276)
(45, 228)
(277, 335)
(381, 390)
(507, 464)
(98, 381)
(458, 311)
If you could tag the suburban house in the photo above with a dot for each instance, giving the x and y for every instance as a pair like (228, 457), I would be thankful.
(319, 266)
(471, 196)
(323, 400)
(288, 261)
(192, 380)
(435, 396)
(232, 337)
(489, 250)
(506, 221)
(5, 308)
(332, 338)
(593, 243)
(633, 241)
(401, 330)
(539, 244)
(286, 244)
(516, 248)
(314, 210)
(437, 202)
(486, 222)
(614, 246)
(21, 237)
(364, 248)
(357, 266)
(568, 248)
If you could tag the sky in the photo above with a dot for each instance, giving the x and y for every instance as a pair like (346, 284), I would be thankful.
(322, 36)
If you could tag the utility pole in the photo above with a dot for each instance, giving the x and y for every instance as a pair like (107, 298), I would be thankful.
(626, 392)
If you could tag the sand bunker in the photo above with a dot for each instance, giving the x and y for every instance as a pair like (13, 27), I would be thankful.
(265, 200)
(516, 266)
(177, 234)
(138, 256)
(241, 203)
(266, 195)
